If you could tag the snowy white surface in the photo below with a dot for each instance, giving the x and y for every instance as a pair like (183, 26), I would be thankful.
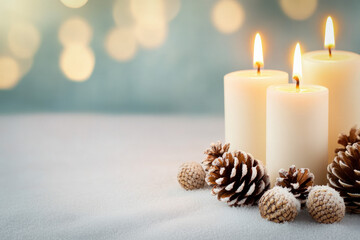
(66, 176)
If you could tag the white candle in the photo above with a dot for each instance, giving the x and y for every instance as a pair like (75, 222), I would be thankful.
(245, 105)
(297, 127)
(340, 73)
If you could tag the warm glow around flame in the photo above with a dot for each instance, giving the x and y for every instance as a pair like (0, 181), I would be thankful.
(258, 52)
(329, 34)
(297, 69)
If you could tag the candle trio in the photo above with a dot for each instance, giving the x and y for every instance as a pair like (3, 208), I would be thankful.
(284, 124)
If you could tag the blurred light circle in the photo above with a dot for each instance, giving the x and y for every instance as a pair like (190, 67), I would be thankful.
(298, 9)
(151, 36)
(228, 16)
(31, 10)
(120, 44)
(75, 31)
(77, 62)
(121, 13)
(23, 40)
(9, 72)
(74, 3)
(172, 8)
(150, 12)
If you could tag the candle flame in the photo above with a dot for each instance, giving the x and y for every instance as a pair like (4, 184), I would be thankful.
(297, 68)
(258, 53)
(329, 34)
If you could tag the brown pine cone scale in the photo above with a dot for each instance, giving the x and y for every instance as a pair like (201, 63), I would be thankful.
(191, 176)
(345, 140)
(297, 181)
(278, 205)
(216, 150)
(325, 205)
(237, 179)
(344, 176)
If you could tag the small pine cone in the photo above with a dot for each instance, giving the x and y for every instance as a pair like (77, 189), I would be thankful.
(191, 176)
(344, 176)
(297, 181)
(238, 179)
(279, 205)
(216, 150)
(325, 205)
(345, 140)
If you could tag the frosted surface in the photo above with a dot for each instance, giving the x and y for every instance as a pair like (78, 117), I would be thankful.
(114, 177)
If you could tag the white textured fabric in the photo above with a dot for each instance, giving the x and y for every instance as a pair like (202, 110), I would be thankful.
(65, 176)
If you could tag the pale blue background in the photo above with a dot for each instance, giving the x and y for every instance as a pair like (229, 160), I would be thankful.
(185, 74)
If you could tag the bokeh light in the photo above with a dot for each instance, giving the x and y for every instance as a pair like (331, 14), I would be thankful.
(227, 16)
(9, 72)
(23, 39)
(121, 13)
(127, 12)
(172, 8)
(121, 43)
(12, 11)
(151, 36)
(139, 21)
(298, 9)
(75, 31)
(77, 62)
(149, 12)
(74, 3)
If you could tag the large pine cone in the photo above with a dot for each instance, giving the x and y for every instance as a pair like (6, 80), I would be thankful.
(344, 176)
(216, 150)
(297, 181)
(238, 179)
(345, 140)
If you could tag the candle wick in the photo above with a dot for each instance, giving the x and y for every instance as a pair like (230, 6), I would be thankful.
(258, 67)
(330, 52)
(296, 78)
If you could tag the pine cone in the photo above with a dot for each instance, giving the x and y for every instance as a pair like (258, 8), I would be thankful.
(216, 150)
(297, 181)
(325, 205)
(238, 179)
(344, 176)
(278, 205)
(191, 176)
(345, 140)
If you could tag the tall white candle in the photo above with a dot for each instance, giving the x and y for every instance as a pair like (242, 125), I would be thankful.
(245, 105)
(340, 73)
(297, 127)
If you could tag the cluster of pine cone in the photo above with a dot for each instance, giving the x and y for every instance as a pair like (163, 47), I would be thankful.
(238, 179)
(294, 188)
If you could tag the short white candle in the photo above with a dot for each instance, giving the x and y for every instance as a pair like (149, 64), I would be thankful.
(245, 105)
(297, 127)
(340, 73)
